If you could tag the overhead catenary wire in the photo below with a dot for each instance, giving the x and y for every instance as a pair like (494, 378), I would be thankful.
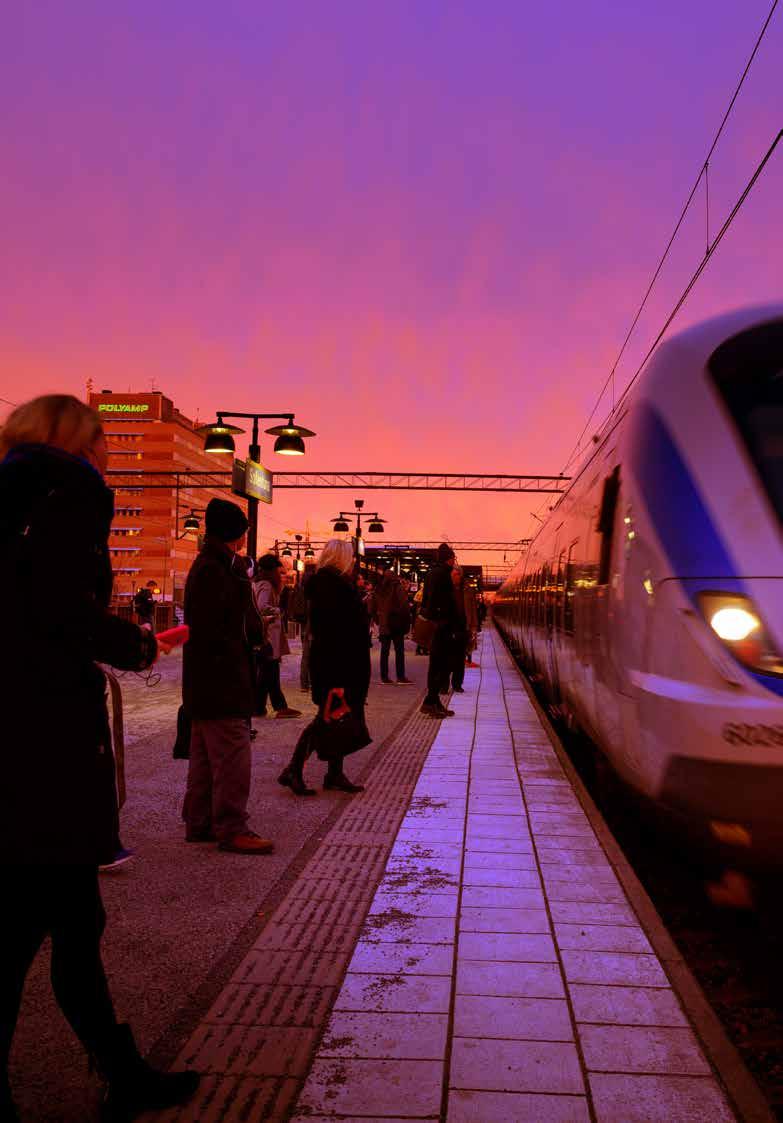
(703, 171)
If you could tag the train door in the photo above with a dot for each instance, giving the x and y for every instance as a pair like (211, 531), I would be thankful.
(604, 599)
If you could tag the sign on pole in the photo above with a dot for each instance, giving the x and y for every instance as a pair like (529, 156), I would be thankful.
(251, 480)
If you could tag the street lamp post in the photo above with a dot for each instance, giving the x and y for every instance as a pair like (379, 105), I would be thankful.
(219, 439)
(376, 524)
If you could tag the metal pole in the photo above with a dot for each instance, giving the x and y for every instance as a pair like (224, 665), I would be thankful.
(254, 453)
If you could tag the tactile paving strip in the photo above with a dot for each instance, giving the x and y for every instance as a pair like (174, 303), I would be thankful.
(256, 1042)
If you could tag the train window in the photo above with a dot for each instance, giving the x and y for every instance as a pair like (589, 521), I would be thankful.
(568, 591)
(605, 525)
(748, 373)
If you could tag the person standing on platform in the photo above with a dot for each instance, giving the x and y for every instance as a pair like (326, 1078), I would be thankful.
(440, 606)
(266, 591)
(464, 629)
(389, 608)
(58, 800)
(218, 686)
(339, 656)
(300, 612)
(472, 619)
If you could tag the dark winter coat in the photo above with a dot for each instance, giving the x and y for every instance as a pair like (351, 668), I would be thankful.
(439, 602)
(57, 791)
(217, 669)
(339, 651)
(390, 606)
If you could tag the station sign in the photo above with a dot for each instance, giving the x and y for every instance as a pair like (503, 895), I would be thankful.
(251, 480)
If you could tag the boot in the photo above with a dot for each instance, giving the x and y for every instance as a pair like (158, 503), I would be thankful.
(339, 782)
(133, 1086)
(294, 780)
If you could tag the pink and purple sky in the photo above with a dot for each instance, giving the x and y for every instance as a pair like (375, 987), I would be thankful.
(424, 225)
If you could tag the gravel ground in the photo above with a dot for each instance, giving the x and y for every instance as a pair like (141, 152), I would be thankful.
(177, 908)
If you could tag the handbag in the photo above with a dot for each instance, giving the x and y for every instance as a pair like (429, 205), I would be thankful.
(424, 631)
(337, 730)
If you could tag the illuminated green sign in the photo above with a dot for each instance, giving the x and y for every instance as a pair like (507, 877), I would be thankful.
(123, 407)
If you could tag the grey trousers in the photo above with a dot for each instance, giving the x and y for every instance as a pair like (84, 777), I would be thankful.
(218, 778)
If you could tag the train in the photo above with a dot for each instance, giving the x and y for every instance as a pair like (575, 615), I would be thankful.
(649, 605)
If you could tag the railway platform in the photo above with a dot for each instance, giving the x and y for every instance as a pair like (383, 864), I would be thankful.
(465, 944)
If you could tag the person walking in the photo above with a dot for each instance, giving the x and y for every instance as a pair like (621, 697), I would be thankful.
(267, 587)
(217, 686)
(58, 800)
(390, 610)
(439, 605)
(339, 656)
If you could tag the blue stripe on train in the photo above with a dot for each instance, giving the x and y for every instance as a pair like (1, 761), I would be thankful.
(680, 517)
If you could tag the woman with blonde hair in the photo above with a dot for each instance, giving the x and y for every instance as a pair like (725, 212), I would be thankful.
(58, 802)
(339, 656)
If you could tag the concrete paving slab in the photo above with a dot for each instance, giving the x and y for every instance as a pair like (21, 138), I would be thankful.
(613, 968)
(480, 1107)
(524, 1019)
(626, 1005)
(419, 1036)
(406, 959)
(515, 1066)
(429, 994)
(643, 1049)
(504, 920)
(373, 1087)
(511, 980)
(658, 1099)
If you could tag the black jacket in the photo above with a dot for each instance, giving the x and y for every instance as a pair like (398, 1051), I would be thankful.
(339, 648)
(439, 602)
(57, 794)
(217, 673)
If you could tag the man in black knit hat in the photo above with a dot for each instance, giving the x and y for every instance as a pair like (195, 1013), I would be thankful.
(217, 685)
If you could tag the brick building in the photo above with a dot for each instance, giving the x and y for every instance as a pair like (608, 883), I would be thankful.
(146, 431)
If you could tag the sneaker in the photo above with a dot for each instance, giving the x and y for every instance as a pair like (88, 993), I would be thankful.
(247, 843)
(405, 682)
(120, 858)
(288, 712)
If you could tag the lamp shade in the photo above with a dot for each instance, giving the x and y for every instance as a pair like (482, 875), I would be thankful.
(376, 527)
(192, 522)
(340, 525)
(219, 441)
(286, 552)
(309, 552)
(290, 444)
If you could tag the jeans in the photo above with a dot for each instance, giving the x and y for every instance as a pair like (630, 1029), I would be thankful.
(269, 686)
(398, 639)
(218, 778)
(63, 902)
(440, 664)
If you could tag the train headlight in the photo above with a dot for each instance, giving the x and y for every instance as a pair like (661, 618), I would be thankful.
(735, 621)
(734, 624)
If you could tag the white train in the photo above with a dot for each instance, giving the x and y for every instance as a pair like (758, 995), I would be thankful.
(650, 603)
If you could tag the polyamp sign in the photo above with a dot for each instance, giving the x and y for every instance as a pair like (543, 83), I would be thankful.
(123, 407)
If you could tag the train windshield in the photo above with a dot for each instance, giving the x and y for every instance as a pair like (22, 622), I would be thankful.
(748, 372)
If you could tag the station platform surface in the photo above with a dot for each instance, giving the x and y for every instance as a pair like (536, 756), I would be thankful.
(458, 947)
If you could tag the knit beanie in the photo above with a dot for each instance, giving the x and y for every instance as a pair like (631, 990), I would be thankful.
(225, 520)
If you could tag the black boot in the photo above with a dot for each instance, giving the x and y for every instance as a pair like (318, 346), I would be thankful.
(294, 780)
(134, 1086)
(339, 782)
